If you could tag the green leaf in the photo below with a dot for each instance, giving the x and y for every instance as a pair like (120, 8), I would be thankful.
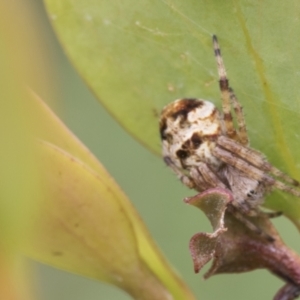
(137, 56)
(84, 228)
(86, 224)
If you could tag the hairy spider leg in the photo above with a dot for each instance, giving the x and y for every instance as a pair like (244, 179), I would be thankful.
(253, 172)
(272, 214)
(201, 177)
(183, 178)
(209, 176)
(240, 118)
(202, 184)
(254, 158)
(225, 92)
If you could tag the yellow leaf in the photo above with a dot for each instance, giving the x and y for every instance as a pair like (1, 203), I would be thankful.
(87, 225)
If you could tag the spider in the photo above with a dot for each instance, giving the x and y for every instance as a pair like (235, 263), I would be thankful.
(205, 150)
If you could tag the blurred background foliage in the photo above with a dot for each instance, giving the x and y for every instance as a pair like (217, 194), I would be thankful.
(157, 194)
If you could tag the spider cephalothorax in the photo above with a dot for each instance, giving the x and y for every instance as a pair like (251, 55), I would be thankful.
(205, 150)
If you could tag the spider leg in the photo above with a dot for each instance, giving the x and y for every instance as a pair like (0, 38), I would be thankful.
(238, 109)
(225, 92)
(251, 226)
(251, 171)
(209, 177)
(273, 214)
(201, 177)
(200, 183)
(255, 158)
(183, 178)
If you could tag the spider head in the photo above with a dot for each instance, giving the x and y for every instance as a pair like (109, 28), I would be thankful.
(188, 129)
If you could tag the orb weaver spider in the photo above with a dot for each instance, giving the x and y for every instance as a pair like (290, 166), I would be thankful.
(205, 150)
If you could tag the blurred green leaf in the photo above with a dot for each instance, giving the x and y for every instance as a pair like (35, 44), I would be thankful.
(19, 180)
(83, 228)
(137, 56)
(87, 225)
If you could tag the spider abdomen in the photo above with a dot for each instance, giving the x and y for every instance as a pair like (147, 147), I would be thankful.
(189, 129)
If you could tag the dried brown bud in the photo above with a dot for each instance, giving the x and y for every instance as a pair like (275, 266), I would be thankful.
(235, 248)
